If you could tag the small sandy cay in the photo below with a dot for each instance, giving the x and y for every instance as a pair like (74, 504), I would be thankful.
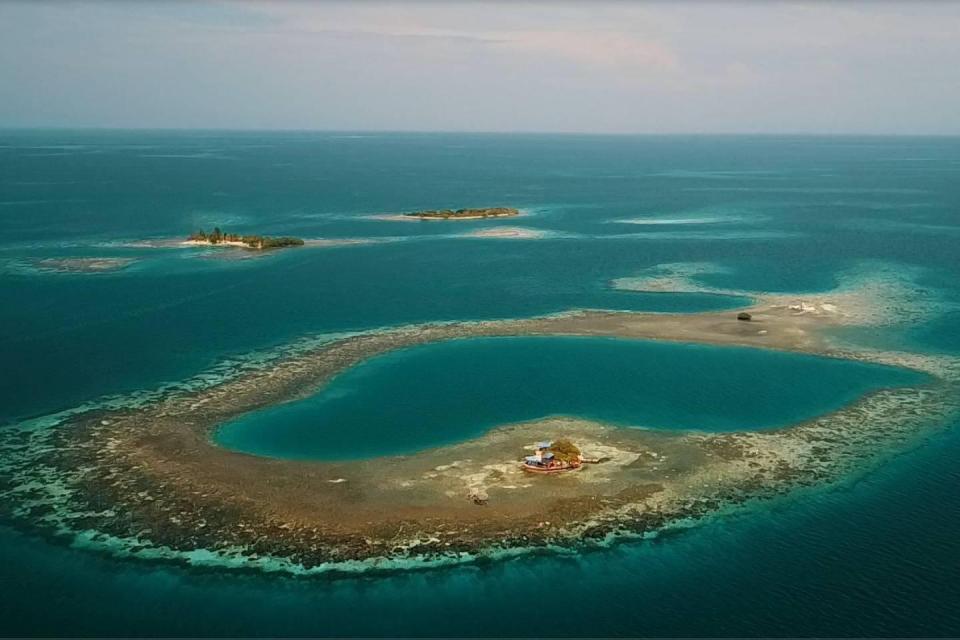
(179, 243)
(145, 480)
(449, 214)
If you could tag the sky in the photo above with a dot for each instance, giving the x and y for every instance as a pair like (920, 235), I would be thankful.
(592, 67)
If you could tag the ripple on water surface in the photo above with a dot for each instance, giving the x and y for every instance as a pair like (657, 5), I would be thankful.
(436, 394)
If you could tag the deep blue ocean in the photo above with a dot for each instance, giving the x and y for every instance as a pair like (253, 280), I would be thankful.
(878, 554)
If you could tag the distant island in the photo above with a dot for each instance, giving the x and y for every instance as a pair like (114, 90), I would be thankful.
(219, 238)
(464, 214)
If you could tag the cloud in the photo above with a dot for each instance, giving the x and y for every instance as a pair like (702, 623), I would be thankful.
(602, 49)
(599, 66)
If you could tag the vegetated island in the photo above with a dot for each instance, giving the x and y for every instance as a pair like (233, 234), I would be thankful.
(219, 238)
(464, 214)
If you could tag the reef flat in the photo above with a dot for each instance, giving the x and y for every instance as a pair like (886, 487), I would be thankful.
(81, 265)
(146, 481)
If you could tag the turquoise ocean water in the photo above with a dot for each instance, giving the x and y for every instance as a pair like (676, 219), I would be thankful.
(877, 555)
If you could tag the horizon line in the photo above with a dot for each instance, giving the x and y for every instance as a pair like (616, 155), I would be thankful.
(821, 134)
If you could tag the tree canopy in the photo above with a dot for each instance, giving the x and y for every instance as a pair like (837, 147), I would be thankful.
(565, 451)
(253, 242)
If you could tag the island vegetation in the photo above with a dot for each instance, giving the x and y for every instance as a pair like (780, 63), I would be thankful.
(464, 214)
(218, 237)
(564, 450)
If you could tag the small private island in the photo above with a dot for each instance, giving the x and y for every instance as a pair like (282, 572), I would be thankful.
(554, 457)
(219, 238)
(464, 214)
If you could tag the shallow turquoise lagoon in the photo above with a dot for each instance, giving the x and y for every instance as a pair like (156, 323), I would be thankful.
(440, 393)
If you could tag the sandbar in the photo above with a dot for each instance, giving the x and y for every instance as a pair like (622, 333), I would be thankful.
(519, 233)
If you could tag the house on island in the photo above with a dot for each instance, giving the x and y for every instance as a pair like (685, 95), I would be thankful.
(553, 457)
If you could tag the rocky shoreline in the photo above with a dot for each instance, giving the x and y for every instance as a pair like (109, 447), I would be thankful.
(147, 482)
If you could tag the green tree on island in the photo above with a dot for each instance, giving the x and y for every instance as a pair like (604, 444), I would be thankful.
(253, 242)
(565, 451)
